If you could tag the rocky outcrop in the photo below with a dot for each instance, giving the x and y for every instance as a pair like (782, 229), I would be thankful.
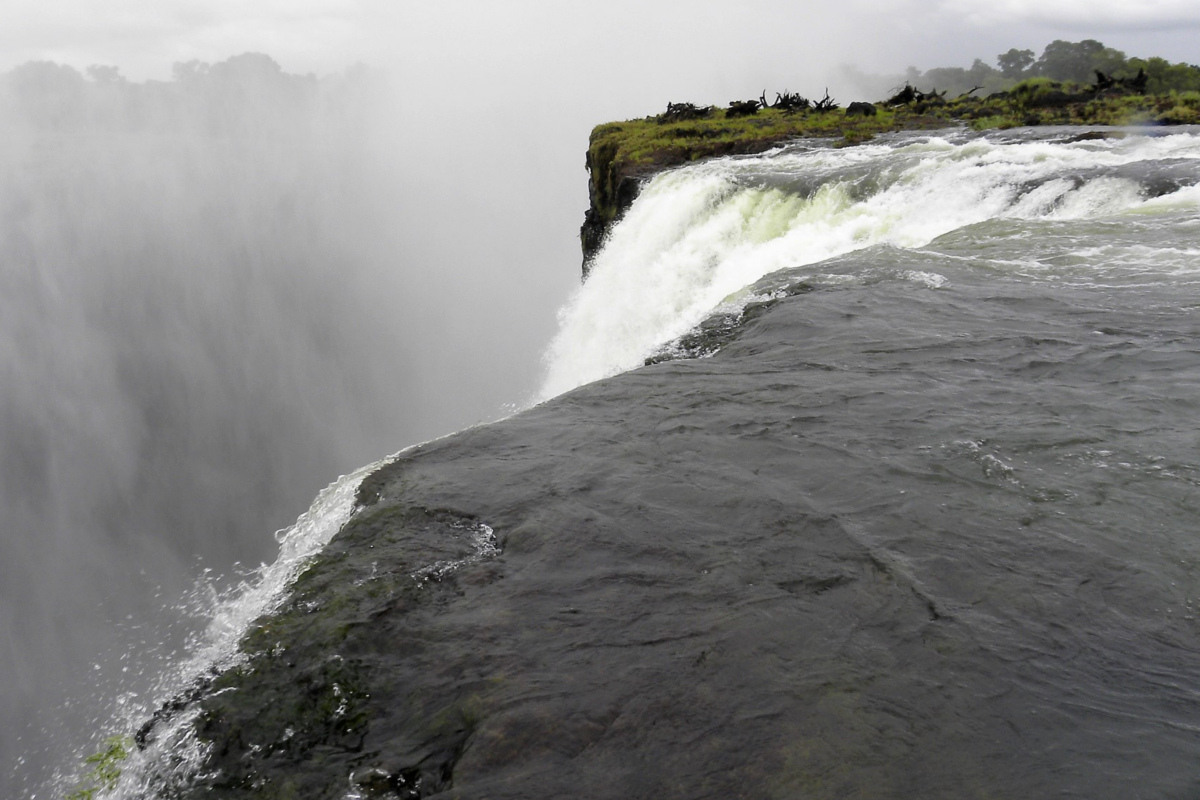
(612, 187)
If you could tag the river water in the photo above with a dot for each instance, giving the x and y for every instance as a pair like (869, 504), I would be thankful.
(919, 519)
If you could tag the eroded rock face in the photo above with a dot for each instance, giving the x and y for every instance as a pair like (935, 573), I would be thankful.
(612, 189)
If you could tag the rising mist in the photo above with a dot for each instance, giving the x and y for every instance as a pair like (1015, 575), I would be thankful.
(209, 308)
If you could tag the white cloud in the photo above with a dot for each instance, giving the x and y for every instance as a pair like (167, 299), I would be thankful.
(1082, 14)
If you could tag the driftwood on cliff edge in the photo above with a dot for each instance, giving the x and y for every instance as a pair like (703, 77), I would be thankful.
(826, 103)
(791, 102)
(680, 112)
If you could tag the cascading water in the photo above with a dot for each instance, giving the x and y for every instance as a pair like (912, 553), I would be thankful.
(174, 754)
(699, 234)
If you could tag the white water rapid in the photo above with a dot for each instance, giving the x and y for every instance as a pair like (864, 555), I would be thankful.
(698, 235)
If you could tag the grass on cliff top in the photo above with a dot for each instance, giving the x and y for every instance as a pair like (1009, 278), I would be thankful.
(644, 145)
(650, 143)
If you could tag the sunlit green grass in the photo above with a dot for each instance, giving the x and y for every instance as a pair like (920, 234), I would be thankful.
(648, 141)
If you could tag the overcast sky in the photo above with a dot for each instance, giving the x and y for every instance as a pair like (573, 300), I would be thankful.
(561, 38)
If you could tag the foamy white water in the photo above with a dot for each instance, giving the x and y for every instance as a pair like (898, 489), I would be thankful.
(174, 754)
(699, 234)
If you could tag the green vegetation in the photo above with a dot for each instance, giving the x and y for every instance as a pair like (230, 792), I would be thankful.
(1060, 61)
(621, 152)
(104, 769)
(647, 145)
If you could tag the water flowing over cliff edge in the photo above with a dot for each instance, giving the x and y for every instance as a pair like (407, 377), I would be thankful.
(901, 505)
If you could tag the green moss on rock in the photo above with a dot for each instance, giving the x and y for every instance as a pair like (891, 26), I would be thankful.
(294, 719)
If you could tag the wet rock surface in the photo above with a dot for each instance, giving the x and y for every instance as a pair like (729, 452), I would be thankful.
(811, 565)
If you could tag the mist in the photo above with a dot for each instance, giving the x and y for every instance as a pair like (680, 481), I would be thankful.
(213, 301)
(227, 279)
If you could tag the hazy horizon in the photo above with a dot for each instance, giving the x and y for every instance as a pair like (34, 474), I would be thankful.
(460, 41)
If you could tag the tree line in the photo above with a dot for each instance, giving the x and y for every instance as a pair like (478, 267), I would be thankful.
(247, 94)
(1075, 62)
